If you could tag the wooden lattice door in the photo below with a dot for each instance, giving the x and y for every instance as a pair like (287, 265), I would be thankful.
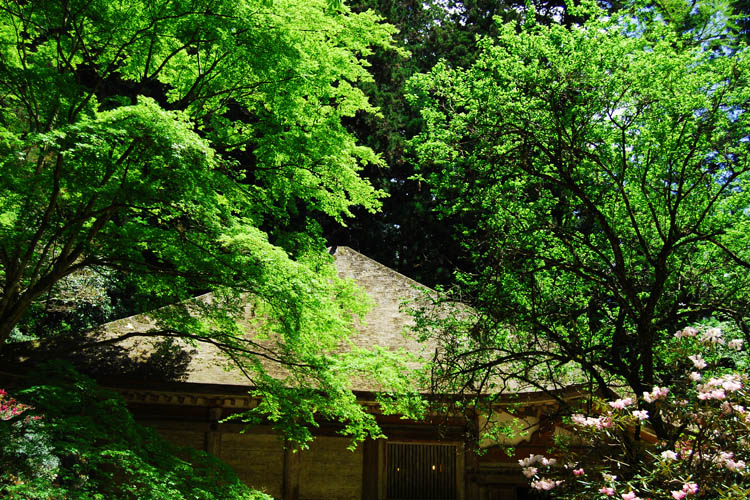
(421, 471)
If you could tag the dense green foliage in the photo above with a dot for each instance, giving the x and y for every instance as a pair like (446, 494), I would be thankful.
(406, 234)
(182, 147)
(595, 176)
(77, 441)
(607, 167)
(172, 127)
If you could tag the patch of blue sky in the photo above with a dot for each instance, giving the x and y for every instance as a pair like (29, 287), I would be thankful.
(733, 112)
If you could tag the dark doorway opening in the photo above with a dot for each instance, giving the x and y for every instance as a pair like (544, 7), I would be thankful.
(421, 471)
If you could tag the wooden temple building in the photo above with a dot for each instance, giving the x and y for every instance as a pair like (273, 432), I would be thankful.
(427, 460)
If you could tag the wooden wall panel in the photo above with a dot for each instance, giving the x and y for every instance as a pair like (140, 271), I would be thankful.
(328, 471)
(258, 460)
(182, 437)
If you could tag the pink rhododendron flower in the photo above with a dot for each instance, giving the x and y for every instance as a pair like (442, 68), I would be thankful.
(606, 490)
(598, 423)
(691, 488)
(532, 459)
(731, 384)
(736, 344)
(735, 466)
(711, 394)
(698, 361)
(640, 414)
(579, 472)
(715, 388)
(713, 336)
(655, 394)
(726, 460)
(621, 404)
(695, 376)
(669, 455)
(578, 419)
(688, 331)
(545, 484)
(630, 496)
(678, 494)
(529, 472)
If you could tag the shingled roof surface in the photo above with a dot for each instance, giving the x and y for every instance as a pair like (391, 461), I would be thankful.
(385, 325)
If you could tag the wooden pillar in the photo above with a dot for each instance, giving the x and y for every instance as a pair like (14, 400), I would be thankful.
(370, 470)
(471, 475)
(471, 463)
(381, 469)
(290, 484)
(213, 436)
(461, 472)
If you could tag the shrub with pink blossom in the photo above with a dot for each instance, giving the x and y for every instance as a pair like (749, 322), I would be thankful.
(703, 447)
(9, 407)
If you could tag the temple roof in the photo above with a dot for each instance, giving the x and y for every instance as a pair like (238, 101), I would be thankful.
(385, 325)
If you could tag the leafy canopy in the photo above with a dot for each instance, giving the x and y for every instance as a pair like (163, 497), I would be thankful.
(607, 166)
(186, 145)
